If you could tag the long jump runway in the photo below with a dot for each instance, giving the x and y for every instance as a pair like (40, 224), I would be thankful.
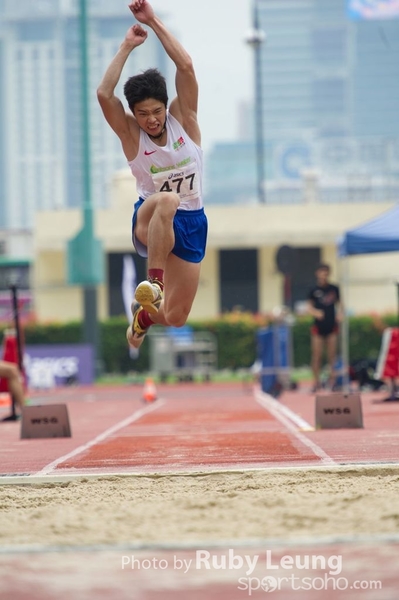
(209, 437)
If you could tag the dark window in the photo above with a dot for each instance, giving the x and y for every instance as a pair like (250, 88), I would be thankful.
(298, 284)
(14, 275)
(239, 280)
(115, 278)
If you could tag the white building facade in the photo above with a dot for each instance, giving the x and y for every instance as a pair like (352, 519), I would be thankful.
(40, 102)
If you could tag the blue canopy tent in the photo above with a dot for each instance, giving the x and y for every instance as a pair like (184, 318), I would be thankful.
(378, 235)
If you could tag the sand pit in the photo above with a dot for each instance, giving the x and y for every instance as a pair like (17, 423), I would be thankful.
(165, 509)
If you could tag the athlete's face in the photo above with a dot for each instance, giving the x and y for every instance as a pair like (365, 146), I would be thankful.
(322, 276)
(150, 115)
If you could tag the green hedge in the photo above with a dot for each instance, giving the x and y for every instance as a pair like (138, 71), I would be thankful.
(236, 339)
(115, 352)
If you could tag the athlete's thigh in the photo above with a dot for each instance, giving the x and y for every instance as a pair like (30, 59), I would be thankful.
(167, 200)
(331, 344)
(317, 345)
(6, 369)
(181, 282)
(143, 217)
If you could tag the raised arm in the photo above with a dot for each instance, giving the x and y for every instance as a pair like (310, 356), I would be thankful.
(185, 106)
(122, 123)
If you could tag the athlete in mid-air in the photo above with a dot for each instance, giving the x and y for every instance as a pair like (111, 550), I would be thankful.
(163, 148)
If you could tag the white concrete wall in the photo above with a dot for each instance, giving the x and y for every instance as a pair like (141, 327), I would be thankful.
(371, 287)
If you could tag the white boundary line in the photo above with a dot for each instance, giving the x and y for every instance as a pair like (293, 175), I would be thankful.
(251, 543)
(101, 437)
(369, 468)
(291, 422)
(290, 414)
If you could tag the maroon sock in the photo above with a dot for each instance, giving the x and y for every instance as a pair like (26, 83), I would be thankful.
(144, 319)
(156, 275)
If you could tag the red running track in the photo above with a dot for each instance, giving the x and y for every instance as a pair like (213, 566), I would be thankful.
(195, 427)
(192, 428)
(187, 427)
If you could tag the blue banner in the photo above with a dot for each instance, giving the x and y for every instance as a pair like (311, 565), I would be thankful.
(49, 366)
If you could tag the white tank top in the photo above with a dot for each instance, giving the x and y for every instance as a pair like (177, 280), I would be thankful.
(176, 167)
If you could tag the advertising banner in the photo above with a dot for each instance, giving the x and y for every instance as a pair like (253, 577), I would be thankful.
(48, 366)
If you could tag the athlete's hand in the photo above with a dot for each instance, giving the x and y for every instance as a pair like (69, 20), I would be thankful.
(319, 314)
(142, 11)
(136, 35)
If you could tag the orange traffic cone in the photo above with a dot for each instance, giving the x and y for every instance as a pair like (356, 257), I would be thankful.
(150, 391)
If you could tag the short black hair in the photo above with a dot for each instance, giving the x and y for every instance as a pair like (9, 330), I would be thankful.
(323, 267)
(149, 84)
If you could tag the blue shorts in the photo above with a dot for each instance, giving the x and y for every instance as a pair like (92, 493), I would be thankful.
(190, 228)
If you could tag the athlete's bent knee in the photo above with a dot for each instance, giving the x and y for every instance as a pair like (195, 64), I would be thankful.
(168, 203)
(10, 371)
(176, 317)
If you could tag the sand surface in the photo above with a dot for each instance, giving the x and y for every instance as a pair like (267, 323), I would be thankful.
(211, 507)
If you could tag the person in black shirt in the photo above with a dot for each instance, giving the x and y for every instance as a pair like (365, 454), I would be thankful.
(325, 306)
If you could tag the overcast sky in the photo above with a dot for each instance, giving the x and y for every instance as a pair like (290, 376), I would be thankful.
(213, 32)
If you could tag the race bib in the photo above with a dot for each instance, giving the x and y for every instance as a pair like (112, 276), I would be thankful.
(184, 181)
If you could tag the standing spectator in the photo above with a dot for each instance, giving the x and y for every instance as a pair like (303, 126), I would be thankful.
(325, 306)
